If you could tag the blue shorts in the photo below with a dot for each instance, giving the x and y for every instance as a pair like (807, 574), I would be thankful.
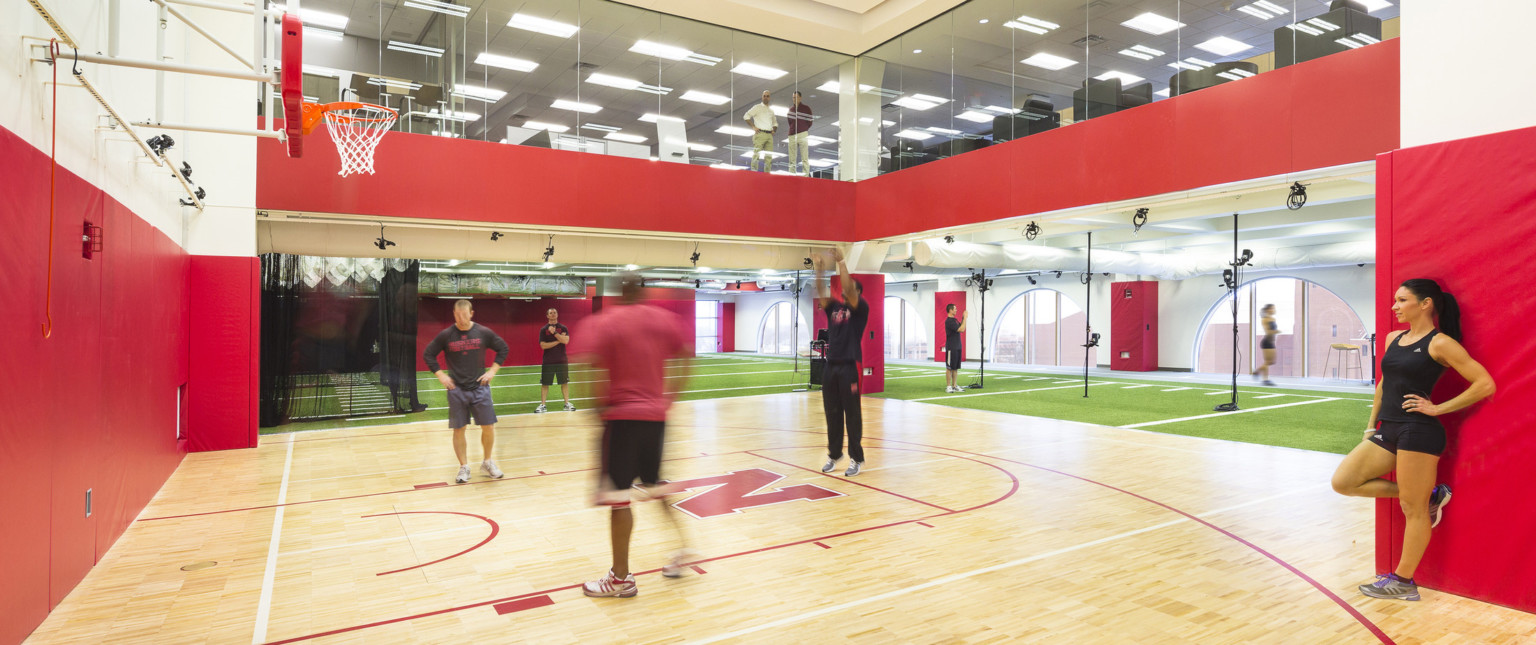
(464, 404)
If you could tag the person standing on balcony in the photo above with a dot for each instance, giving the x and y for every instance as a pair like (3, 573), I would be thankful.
(799, 125)
(764, 126)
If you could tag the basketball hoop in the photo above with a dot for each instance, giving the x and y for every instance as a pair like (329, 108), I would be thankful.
(355, 127)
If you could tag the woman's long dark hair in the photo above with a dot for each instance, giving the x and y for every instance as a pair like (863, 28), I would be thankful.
(1446, 309)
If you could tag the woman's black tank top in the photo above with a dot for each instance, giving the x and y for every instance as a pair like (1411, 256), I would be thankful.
(1408, 369)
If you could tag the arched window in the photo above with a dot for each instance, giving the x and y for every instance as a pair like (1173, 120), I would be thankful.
(1309, 320)
(775, 335)
(905, 335)
(1040, 327)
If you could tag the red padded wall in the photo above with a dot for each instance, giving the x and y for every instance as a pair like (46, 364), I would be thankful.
(1333, 110)
(727, 326)
(224, 291)
(517, 321)
(1133, 326)
(91, 407)
(941, 300)
(1464, 213)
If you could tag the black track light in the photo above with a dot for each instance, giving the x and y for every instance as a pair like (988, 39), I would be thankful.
(1031, 279)
(1031, 231)
(1139, 220)
(549, 251)
(186, 171)
(381, 242)
(949, 239)
(1298, 197)
(496, 235)
(160, 143)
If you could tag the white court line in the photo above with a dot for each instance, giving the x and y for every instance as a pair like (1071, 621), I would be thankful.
(984, 570)
(1224, 414)
(1037, 389)
(264, 606)
(1176, 389)
(1270, 396)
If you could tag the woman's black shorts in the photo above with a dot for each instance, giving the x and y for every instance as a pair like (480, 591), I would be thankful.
(1414, 437)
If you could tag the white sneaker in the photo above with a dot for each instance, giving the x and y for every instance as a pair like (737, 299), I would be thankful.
(490, 469)
(853, 469)
(831, 463)
(463, 476)
(611, 586)
(541, 409)
(569, 407)
(677, 566)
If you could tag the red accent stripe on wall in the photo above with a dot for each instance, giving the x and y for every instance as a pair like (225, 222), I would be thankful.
(92, 407)
(1334, 110)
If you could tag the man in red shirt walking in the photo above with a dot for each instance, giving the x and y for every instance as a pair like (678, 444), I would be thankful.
(632, 342)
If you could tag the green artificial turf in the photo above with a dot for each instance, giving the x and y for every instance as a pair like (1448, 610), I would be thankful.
(1316, 424)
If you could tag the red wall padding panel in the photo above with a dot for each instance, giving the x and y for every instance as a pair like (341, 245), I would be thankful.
(1464, 213)
(222, 383)
(1333, 110)
(941, 300)
(727, 326)
(1133, 326)
(517, 321)
(493, 182)
(92, 407)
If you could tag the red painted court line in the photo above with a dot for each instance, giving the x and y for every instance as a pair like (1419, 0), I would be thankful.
(775, 547)
(495, 529)
(698, 569)
(523, 605)
(925, 524)
(1365, 622)
(851, 481)
(821, 545)
(435, 485)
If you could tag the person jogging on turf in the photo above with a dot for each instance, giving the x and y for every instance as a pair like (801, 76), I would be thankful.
(953, 352)
(1267, 344)
(468, 383)
(553, 337)
(630, 343)
(846, 319)
(1409, 438)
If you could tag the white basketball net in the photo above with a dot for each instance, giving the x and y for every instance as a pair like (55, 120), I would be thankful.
(356, 132)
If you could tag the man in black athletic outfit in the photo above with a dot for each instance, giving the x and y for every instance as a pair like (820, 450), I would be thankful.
(846, 319)
(468, 383)
(553, 337)
(953, 352)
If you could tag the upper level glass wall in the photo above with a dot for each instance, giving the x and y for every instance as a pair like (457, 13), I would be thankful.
(610, 78)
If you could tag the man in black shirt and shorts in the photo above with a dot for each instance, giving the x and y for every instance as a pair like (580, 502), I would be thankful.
(553, 337)
(846, 320)
(468, 383)
(954, 353)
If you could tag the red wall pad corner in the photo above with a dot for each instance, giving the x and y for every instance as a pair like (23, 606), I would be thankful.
(1480, 191)
(1133, 326)
(223, 369)
(942, 299)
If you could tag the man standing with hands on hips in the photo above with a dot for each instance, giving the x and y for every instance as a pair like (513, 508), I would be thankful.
(468, 383)
(846, 320)
(553, 337)
(764, 126)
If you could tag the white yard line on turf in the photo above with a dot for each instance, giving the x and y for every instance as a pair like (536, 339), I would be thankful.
(799, 618)
(1177, 389)
(1037, 389)
(1270, 396)
(1225, 414)
(264, 605)
(1132, 387)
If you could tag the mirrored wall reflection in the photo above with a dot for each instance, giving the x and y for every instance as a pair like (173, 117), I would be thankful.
(587, 75)
(610, 78)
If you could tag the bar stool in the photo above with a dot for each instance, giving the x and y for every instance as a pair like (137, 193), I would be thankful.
(1345, 350)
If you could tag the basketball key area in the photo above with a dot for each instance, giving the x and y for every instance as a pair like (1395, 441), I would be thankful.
(355, 535)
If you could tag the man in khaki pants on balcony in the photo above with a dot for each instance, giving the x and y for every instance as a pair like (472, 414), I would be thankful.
(764, 126)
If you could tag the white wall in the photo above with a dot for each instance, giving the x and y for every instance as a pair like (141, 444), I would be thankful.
(1006, 288)
(920, 299)
(224, 165)
(751, 307)
(1468, 53)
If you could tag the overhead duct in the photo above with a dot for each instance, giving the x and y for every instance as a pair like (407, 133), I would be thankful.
(348, 240)
(1164, 266)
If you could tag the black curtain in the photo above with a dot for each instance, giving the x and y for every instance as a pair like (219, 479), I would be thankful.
(397, 336)
(279, 305)
(337, 344)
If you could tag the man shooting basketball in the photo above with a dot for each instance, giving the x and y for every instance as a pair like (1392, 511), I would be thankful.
(846, 320)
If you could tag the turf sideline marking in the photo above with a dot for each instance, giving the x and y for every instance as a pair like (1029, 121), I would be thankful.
(264, 606)
(1038, 389)
(984, 570)
(1224, 414)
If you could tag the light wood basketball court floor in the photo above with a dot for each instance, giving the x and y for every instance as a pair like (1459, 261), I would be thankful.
(966, 526)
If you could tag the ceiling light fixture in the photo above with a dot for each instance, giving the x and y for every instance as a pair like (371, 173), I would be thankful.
(734, 131)
(1049, 61)
(1125, 78)
(413, 48)
(446, 8)
(505, 62)
(1152, 23)
(1224, 46)
(759, 71)
(323, 34)
(551, 127)
(627, 138)
(479, 93)
(315, 18)
(1032, 25)
(705, 97)
(542, 25)
(671, 52)
(587, 108)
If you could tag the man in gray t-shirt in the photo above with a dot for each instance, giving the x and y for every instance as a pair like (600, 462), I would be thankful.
(468, 383)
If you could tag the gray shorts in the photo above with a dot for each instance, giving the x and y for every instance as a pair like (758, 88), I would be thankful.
(464, 404)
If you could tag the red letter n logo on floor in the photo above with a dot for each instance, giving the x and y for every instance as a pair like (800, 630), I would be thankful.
(730, 493)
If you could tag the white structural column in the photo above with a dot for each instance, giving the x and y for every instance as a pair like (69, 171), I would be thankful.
(858, 148)
(1472, 49)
